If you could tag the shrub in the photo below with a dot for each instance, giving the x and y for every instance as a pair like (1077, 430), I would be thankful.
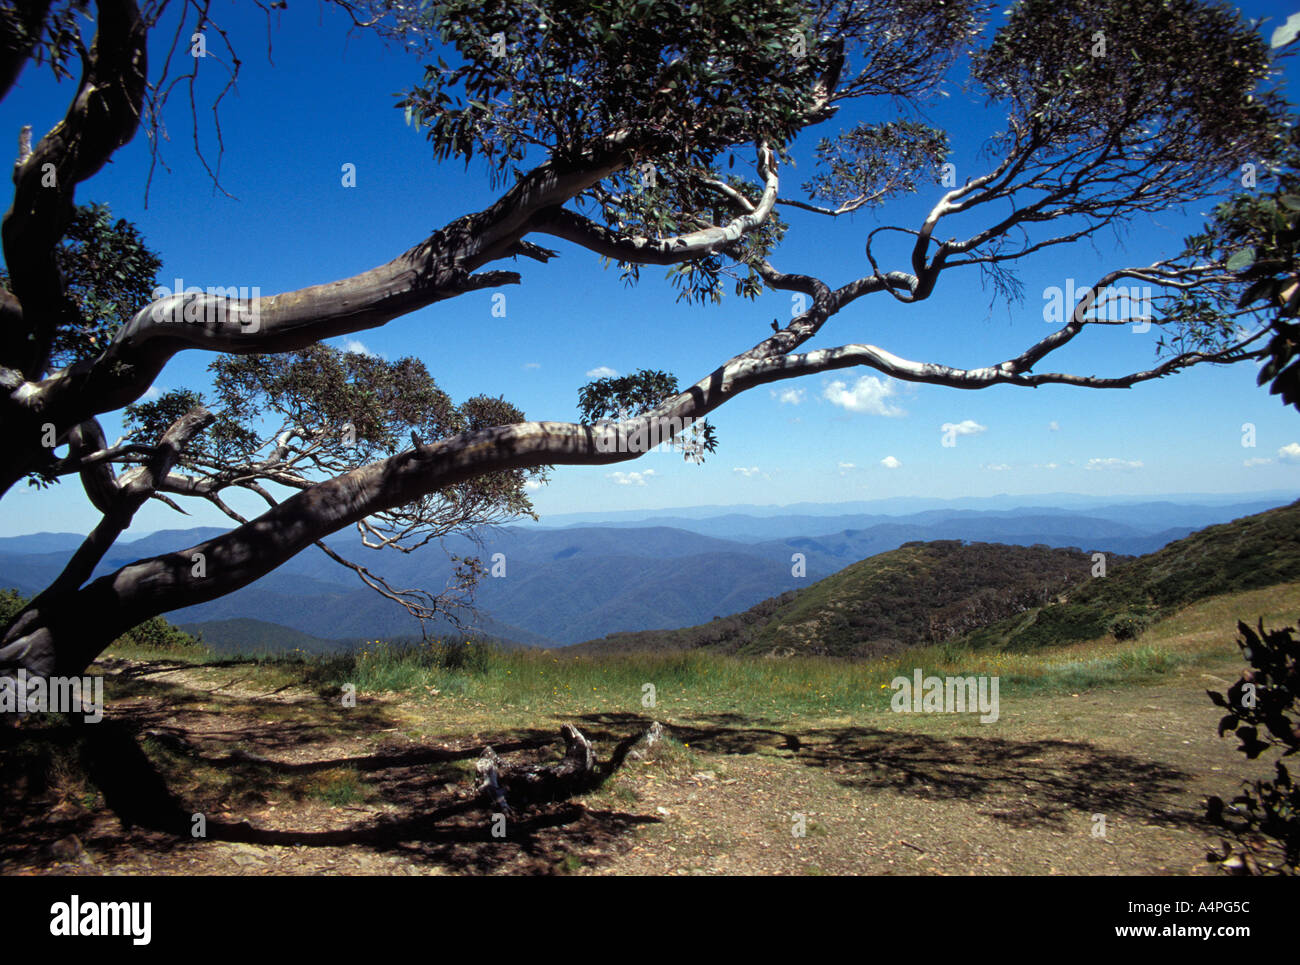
(11, 601)
(462, 654)
(157, 634)
(1264, 714)
(1131, 624)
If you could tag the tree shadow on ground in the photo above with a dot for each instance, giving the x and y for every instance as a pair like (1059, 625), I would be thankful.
(425, 817)
(420, 803)
(1024, 783)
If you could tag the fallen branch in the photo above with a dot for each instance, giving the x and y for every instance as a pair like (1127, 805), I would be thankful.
(510, 787)
(526, 784)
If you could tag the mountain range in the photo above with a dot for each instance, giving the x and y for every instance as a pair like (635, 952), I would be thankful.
(579, 581)
(991, 595)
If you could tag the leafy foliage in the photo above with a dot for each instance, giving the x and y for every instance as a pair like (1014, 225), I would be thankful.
(1258, 237)
(666, 90)
(876, 161)
(669, 205)
(621, 396)
(691, 78)
(627, 396)
(157, 634)
(319, 412)
(357, 407)
(11, 604)
(1129, 108)
(109, 274)
(1179, 77)
(1263, 711)
(51, 40)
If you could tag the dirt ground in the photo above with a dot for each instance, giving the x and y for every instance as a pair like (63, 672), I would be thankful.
(282, 787)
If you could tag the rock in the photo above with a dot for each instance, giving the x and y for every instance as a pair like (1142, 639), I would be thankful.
(67, 849)
(1235, 866)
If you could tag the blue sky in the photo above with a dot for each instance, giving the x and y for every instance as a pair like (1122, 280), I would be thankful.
(327, 101)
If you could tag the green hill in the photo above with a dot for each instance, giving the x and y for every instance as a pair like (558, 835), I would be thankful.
(918, 593)
(246, 635)
(992, 595)
(1246, 554)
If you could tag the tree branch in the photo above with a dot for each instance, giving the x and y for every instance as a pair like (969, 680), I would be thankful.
(573, 227)
(103, 116)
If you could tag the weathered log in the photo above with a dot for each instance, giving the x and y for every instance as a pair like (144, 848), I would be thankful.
(524, 784)
(508, 787)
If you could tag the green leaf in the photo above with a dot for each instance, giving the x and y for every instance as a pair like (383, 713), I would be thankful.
(1241, 260)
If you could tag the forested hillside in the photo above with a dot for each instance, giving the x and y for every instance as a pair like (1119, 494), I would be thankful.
(918, 593)
(993, 595)
(1246, 554)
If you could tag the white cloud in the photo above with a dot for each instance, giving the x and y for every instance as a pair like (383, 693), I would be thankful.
(1290, 452)
(788, 396)
(997, 467)
(889, 462)
(532, 484)
(151, 393)
(847, 465)
(1053, 426)
(532, 365)
(868, 394)
(1113, 463)
(967, 427)
(601, 372)
(358, 347)
(631, 478)
(746, 471)
(1257, 461)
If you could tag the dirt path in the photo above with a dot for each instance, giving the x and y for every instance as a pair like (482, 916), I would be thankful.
(286, 785)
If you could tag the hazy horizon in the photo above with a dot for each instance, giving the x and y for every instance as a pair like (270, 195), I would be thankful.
(885, 506)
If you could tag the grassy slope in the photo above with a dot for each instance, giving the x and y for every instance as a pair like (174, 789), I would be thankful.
(888, 601)
(486, 689)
